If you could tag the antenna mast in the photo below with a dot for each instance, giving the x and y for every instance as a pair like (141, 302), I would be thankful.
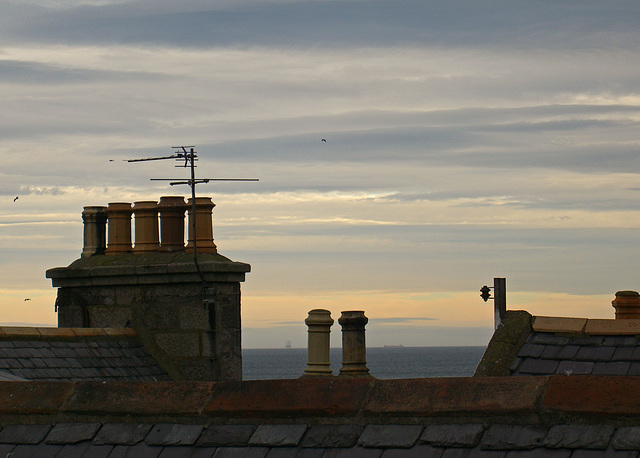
(189, 157)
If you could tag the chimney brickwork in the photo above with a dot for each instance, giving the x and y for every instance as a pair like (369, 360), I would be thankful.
(191, 327)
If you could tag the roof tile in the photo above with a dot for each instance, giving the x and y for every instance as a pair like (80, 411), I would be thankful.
(85, 449)
(278, 435)
(40, 451)
(226, 435)
(122, 433)
(611, 368)
(332, 436)
(626, 438)
(396, 436)
(531, 350)
(575, 368)
(538, 366)
(453, 435)
(173, 434)
(595, 353)
(72, 433)
(24, 434)
(510, 437)
(578, 436)
(354, 452)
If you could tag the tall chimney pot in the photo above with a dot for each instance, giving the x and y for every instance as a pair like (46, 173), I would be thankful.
(354, 348)
(146, 233)
(171, 209)
(319, 324)
(95, 229)
(119, 217)
(627, 305)
(204, 225)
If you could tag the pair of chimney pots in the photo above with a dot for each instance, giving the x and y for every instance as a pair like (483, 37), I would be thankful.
(167, 236)
(354, 350)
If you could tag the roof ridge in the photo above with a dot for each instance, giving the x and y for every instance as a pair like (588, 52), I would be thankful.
(54, 332)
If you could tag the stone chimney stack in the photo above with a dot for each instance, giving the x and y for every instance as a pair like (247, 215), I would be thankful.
(627, 305)
(188, 318)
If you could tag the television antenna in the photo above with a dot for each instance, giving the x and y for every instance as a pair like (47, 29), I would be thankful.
(188, 158)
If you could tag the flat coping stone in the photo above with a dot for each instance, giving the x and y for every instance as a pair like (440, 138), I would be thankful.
(278, 435)
(558, 324)
(393, 436)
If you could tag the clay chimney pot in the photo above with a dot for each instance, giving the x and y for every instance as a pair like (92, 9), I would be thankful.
(627, 305)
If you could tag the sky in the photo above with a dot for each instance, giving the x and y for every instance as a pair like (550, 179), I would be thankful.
(465, 140)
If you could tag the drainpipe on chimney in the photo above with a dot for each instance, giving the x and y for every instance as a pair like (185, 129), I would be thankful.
(319, 323)
(627, 305)
(146, 226)
(119, 217)
(171, 209)
(204, 226)
(95, 229)
(354, 349)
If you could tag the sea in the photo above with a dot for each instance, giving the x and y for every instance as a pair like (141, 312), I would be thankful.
(383, 363)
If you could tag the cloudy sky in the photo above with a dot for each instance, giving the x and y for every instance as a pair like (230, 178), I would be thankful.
(466, 140)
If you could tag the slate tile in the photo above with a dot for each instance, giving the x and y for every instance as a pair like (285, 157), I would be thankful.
(14, 363)
(634, 368)
(401, 436)
(122, 433)
(620, 341)
(6, 344)
(176, 452)
(26, 363)
(242, 452)
(84, 450)
(587, 341)
(226, 435)
(453, 435)
(204, 452)
(472, 453)
(141, 450)
(539, 452)
(278, 435)
(547, 338)
(10, 353)
(611, 368)
(561, 352)
(515, 364)
(6, 450)
(332, 436)
(595, 353)
(575, 367)
(579, 436)
(33, 451)
(421, 450)
(626, 438)
(72, 433)
(608, 453)
(63, 352)
(507, 437)
(353, 452)
(24, 434)
(283, 452)
(623, 354)
(173, 434)
(531, 350)
(538, 366)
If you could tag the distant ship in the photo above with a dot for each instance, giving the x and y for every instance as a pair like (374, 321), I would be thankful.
(394, 346)
(287, 344)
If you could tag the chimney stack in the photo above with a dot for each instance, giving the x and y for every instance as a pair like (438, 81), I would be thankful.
(354, 349)
(204, 225)
(627, 305)
(319, 323)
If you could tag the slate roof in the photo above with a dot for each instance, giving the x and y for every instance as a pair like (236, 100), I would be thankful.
(75, 354)
(530, 345)
(334, 417)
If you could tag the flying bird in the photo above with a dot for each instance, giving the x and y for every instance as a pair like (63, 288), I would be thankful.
(16, 198)
(27, 299)
(324, 140)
